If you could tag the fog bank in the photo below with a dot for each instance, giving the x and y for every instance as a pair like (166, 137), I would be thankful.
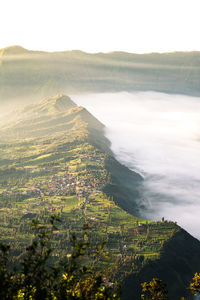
(157, 135)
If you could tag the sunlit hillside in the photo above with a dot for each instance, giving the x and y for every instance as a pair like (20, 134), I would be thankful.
(54, 158)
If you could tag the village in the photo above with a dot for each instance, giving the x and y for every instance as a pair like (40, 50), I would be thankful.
(62, 182)
(72, 186)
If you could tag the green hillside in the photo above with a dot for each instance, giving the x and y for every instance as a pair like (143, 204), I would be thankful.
(54, 158)
(33, 74)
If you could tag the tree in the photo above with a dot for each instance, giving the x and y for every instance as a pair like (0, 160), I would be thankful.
(154, 290)
(39, 277)
(195, 284)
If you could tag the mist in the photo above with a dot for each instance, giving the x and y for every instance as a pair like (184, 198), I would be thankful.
(158, 136)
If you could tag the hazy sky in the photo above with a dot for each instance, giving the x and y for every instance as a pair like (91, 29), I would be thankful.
(101, 25)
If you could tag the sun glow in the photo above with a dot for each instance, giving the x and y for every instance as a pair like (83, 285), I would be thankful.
(93, 26)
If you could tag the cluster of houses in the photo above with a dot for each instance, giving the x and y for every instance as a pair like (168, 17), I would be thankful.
(81, 184)
(91, 157)
(141, 228)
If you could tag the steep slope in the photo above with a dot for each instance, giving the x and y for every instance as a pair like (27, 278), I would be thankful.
(54, 158)
(33, 74)
(49, 116)
(60, 116)
(179, 258)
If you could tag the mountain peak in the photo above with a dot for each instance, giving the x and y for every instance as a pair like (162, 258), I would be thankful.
(55, 104)
(13, 50)
(59, 102)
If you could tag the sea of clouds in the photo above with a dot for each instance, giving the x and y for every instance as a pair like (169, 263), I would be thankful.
(157, 135)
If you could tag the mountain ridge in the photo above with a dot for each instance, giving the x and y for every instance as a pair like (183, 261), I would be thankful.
(58, 113)
(33, 75)
(61, 162)
(23, 49)
(58, 103)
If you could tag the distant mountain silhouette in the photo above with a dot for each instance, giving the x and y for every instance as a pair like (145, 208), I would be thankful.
(29, 75)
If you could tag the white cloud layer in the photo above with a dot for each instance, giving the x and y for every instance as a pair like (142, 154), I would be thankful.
(157, 135)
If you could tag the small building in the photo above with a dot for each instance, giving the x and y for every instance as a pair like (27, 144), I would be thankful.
(141, 229)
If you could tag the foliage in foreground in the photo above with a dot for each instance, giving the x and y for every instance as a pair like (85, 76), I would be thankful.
(36, 276)
(39, 275)
(154, 290)
(195, 284)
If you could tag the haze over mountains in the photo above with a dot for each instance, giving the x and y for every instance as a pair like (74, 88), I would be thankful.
(54, 115)
(33, 74)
